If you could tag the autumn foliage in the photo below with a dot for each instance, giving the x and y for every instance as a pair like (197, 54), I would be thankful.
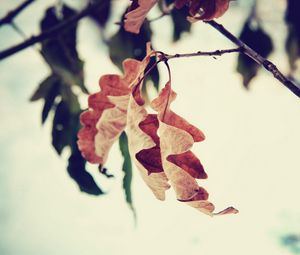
(159, 143)
(198, 10)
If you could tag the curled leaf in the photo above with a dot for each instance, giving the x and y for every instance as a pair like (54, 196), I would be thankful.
(107, 114)
(137, 14)
(204, 9)
(144, 145)
(181, 166)
(106, 117)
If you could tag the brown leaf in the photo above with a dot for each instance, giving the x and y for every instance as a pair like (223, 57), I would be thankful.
(144, 144)
(106, 117)
(204, 9)
(137, 14)
(181, 166)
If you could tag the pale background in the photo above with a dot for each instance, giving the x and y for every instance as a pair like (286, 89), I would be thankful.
(251, 153)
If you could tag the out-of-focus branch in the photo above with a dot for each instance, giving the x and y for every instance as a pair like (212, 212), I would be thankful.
(268, 65)
(51, 32)
(8, 19)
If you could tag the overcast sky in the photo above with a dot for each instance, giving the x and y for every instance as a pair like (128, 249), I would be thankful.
(251, 154)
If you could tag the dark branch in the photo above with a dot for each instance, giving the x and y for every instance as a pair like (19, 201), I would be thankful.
(51, 32)
(8, 19)
(165, 56)
(268, 65)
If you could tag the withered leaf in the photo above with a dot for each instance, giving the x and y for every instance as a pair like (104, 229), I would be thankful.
(180, 165)
(144, 145)
(136, 15)
(204, 9)
(106, 117)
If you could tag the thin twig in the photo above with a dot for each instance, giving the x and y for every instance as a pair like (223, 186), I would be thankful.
(268, 65)
(14, 13)
(51, 32)
(165, 56)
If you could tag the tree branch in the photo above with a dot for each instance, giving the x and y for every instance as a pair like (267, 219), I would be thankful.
(12, 14)
(51, 32)
(166, 57)
(268, 65)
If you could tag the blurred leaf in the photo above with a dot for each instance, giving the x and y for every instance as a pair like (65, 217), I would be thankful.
(71, 99)
(67, 70)
(101, 13)
(127, 169)
(62, 127)
(180, 23)
(44, 87)
(77, 171)
(292, 241)
(257, 39)
(50, 97)
(124, 45)
(60, 51)
(179, 19)
(292, 18)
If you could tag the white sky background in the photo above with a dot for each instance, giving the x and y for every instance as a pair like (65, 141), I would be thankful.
(251, 154)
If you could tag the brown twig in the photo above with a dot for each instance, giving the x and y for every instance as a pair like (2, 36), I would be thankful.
(14, 13)
(51, 32)
(268, 65)
(165, 56)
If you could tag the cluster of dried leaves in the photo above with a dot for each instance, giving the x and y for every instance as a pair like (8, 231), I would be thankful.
(159, 143)
(198, 10)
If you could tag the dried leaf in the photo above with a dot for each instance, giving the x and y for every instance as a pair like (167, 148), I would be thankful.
(204, 9)
(144, 145)
(106, 117)
(181, 166)
(137, 14)
(124, 45)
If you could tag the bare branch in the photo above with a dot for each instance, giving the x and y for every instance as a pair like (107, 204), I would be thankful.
(8, 19)
(165, 57)
(51, 32)
(268, 65)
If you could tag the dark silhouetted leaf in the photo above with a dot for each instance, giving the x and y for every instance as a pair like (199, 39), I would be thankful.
(124, 45)
(44, 88)
(77, 171)
(101, 12)
(71, 99)
(127, 169)
(179, 20)
(60, 51)
(256, 38)
(293, 39)
(53, 92)
(76, 163)
(62, 127)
